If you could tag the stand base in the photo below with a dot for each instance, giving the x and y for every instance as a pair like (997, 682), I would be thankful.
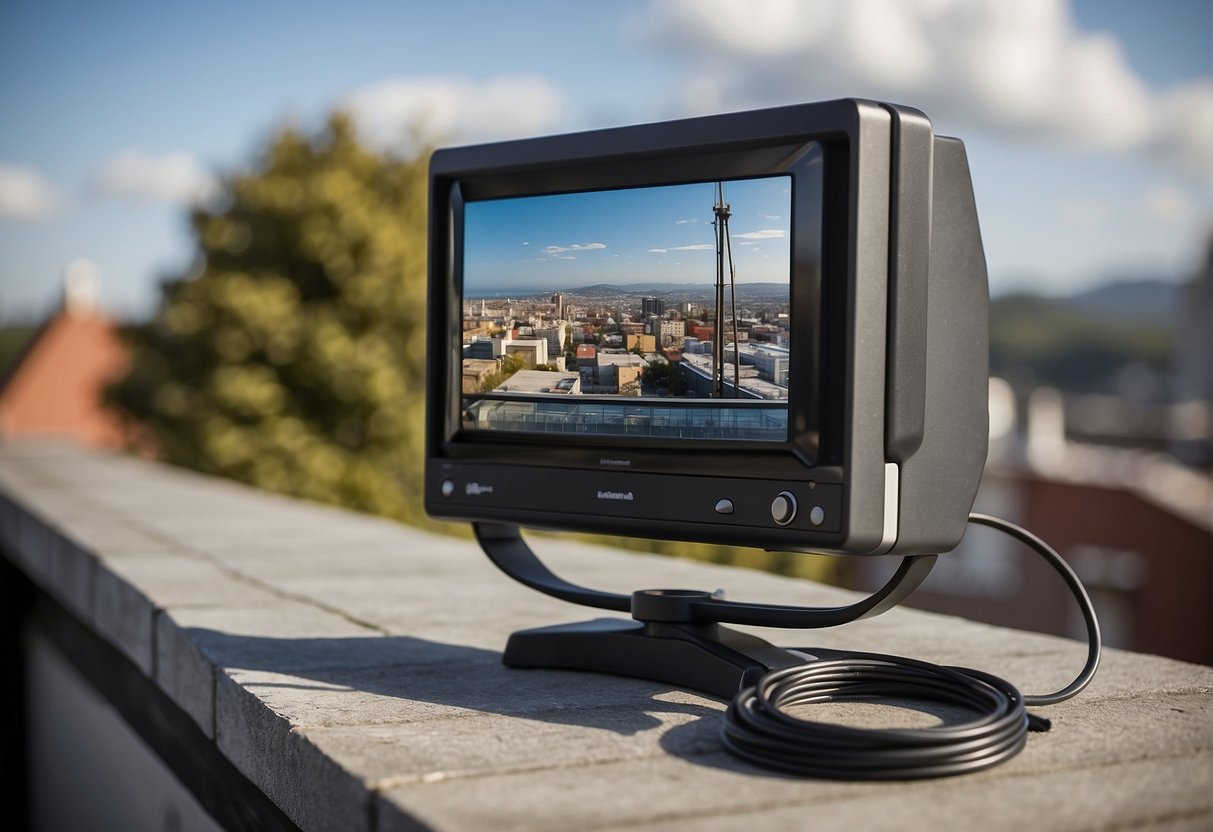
(675, 635)
(704, 657)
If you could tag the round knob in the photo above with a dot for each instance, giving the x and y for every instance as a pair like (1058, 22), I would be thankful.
(783, 508)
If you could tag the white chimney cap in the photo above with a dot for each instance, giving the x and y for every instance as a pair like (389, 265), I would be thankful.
(81, 287)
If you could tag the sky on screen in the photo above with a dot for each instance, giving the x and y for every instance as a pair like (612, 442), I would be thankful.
(664, 234)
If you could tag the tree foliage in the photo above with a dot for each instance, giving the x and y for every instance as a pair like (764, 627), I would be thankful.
(291, 357)
(1037, 341)
(510, 364)
(13, 342)
(664, 375)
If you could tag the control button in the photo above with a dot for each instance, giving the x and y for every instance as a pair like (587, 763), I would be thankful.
(817, 515)
(783, 508)
(448, 488)
(724, 506)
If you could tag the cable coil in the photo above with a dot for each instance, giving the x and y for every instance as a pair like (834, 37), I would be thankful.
(758, 729)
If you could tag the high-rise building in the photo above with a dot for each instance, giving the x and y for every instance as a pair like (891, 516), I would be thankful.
(652, 306)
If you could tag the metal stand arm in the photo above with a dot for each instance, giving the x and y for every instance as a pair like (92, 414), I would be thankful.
(676, 636)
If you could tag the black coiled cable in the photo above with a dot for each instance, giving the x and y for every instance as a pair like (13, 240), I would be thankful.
(758, 729)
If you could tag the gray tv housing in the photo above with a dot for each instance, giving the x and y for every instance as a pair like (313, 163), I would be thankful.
(889, 416)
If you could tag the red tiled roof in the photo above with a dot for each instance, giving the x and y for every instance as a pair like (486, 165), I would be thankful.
(54, 389)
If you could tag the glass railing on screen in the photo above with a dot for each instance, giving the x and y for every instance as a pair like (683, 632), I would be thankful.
(740, 419)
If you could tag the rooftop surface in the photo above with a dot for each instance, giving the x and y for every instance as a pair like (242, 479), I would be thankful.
(350, 668)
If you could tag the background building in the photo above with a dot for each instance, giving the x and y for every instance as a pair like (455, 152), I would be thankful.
(484, 348)
(534, 351)
(541, 381)
(612, 372)
(646, 343)
(1136, 525)
(652, 306)
(475, 371)
(557, 335)
(772, 363)
(53, 390)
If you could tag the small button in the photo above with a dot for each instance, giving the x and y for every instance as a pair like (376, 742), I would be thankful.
(448, 488)
(783, 508)
(817, 515)
(724, 506)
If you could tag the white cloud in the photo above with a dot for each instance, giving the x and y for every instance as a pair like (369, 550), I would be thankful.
(1185, 132)
(658, 251)
(1167, 205)
(1017, 66)
(400, 112)
(573, 247)
(683, 222)
(695, 247)
(25, 195)
(764, 234)
(173, 177)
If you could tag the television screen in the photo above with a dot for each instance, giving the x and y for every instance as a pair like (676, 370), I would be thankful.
(659, 312)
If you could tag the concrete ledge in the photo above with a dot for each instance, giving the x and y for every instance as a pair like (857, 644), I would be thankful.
(350, 669)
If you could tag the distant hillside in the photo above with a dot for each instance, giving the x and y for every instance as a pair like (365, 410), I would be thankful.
(1144, 302)
(601, 290)
(639, 288)
(745, 291)
(1082, 343)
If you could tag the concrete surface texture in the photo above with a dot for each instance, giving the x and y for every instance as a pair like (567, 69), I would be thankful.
(350, 668)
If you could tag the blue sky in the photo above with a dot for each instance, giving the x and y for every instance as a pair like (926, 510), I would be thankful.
(662, 234)
(1089, 123)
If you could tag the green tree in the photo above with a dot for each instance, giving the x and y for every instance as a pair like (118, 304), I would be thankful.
(13, 341)
(665, 374)
(510, 364)
(1036, 340)
(291, 357)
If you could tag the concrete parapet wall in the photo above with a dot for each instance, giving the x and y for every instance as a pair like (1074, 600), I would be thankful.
(349, 668)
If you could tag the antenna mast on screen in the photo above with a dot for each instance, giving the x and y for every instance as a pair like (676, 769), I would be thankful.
(724, 249)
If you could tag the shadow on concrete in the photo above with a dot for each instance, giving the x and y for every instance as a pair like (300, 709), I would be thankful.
(414, 670)
(430, 672)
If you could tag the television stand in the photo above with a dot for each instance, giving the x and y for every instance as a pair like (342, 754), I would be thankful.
(675, 636)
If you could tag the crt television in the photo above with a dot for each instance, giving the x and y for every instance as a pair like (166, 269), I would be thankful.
(764, 329)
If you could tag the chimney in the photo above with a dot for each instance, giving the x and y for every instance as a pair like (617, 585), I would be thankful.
(81, 288)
